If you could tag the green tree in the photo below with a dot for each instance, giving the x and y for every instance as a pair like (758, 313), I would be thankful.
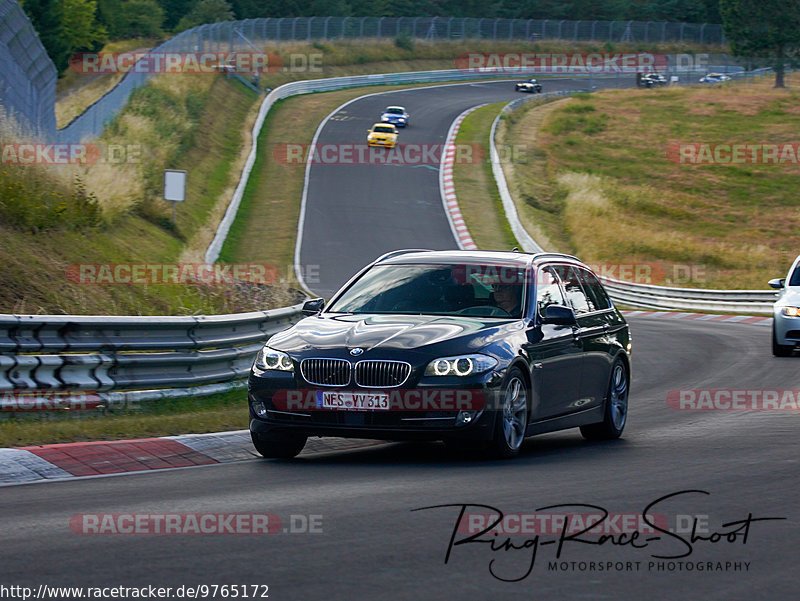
(65, 27)
(764, 28)
(175, 10)
(79, 27)
(141, 18)
(206, 11)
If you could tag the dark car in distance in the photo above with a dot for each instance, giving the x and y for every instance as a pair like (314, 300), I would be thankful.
(478, 348)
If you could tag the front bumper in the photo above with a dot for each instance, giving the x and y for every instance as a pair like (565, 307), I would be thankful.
(393, 424)
(787, 329)
(383, 143)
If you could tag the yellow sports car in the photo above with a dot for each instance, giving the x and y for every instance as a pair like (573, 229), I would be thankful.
(382, 134)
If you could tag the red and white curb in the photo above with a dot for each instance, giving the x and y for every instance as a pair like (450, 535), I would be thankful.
(102, 458)
(447, 189)
(702, 317)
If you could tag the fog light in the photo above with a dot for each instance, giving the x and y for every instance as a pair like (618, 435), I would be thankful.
(465, 417)
(259, 409)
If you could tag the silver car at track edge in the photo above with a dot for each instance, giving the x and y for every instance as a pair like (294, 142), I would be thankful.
(786, 312)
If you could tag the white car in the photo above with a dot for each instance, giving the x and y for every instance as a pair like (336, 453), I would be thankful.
(396, 115)
(714, 78)
(786, 312)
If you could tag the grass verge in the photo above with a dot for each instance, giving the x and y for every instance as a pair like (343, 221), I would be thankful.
(171, 123)
(477, 194)
(214, 413)
(600, 178)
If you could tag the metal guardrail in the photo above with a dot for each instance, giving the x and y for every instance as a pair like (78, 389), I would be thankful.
(99, 354)
(638, 296)
(645, 296)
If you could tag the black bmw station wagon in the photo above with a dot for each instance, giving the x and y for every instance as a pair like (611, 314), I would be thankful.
(476, 348)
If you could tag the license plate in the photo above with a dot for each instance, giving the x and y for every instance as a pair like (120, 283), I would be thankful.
(353, 401)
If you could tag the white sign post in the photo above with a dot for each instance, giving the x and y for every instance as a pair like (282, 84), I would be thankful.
(174, 188)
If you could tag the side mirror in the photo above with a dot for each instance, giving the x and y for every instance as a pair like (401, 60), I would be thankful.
(777, 283)
(559, 315)
(313, 306)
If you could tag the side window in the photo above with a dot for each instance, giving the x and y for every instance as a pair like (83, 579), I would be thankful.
(576, 296)
(594, 290)
(548, 291)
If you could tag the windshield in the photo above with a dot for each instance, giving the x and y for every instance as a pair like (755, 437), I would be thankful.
(795, 279)
(476, 290)
(394, 110)
(384, 130)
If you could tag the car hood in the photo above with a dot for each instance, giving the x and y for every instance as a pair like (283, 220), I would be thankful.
(406, 332)
(790, 296)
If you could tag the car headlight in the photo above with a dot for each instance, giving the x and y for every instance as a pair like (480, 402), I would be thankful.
(791, 311)
(268, 358)
(464, 365)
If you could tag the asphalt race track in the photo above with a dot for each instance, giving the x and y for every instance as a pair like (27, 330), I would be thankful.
(356, 212)
(374, 546)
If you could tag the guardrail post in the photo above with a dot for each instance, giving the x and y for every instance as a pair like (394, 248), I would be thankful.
(22, 373)
(45, 374)
(7, 364)
(8, 325)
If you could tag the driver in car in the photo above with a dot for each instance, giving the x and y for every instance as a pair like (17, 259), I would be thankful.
(508, 298)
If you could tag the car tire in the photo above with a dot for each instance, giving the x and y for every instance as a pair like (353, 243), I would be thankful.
(279, 445)
(512, 418)
(780, 350)
(615, 411)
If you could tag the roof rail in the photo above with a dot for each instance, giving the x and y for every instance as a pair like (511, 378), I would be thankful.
(395, 253)
(552, 254)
